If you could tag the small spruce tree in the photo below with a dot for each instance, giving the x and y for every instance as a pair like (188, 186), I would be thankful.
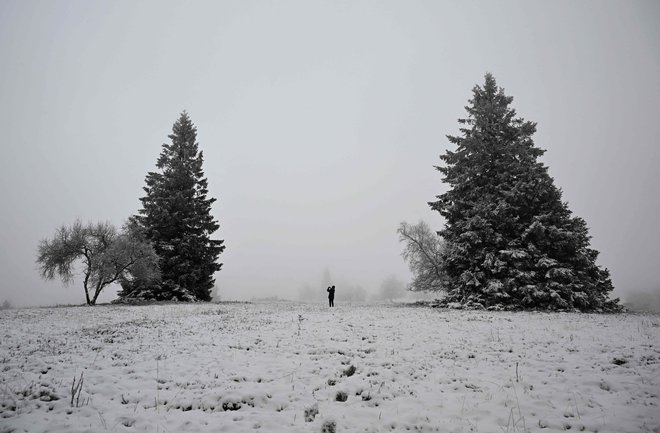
(510, 240)
(176, 218)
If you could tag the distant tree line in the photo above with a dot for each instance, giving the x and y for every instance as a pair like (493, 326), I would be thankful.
(165, 252)
(643, 302)
(391, 289)
(346, 292)
(509, 241)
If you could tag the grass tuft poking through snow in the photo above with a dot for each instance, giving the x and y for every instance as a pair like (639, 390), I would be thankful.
(350, 371)
(329, 426)
(311, 412)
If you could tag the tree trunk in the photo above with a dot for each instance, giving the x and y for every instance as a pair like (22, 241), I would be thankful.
(97, 292)
(88, 272)
(87, 290)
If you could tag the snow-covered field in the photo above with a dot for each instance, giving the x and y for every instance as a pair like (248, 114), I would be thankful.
(289, 367)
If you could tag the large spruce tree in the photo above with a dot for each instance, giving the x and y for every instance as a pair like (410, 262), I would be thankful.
(510, 240)
(176, 217)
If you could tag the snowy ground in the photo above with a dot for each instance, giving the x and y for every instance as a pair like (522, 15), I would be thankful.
(283, 368)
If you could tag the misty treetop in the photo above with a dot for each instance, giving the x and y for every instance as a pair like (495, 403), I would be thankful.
(510, 240)
(176, 218)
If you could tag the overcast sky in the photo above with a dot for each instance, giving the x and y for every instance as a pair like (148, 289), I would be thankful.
(320, 123)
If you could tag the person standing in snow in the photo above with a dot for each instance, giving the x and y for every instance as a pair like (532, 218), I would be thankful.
(331, 296)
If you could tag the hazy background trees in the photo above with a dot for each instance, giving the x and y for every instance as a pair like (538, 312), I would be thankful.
(346, 291)
(351, 293)
(644, 302)
(391, 289)
(106, 255)
(308, 294)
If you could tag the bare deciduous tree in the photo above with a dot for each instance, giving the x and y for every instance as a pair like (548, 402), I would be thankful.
(107, 256)
(422, 251)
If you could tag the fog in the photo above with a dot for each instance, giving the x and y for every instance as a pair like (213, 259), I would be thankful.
(320, 124)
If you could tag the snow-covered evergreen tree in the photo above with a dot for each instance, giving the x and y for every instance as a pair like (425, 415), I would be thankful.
(176, 218)
(510, 240)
